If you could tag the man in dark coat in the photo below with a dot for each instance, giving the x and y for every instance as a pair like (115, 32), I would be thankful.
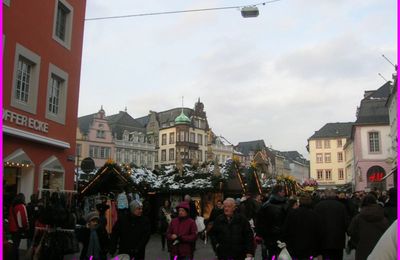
(334, 222)
(131, 233)
(232, 234)
(367, 227)
(301, 231)
(270, 220)
(391, 206)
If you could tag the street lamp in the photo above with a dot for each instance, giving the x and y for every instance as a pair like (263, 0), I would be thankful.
(250, 11)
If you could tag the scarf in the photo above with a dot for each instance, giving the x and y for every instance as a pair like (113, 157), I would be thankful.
(94, 245)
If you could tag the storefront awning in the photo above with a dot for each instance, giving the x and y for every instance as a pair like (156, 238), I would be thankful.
(18, 157)
(391, 173)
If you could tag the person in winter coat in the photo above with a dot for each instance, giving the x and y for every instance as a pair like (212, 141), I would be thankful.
(94, 239)
(386, 248)
(33, 209)
(334, 223)
(18, 222)
(164, 219)
(192, 207)
(301, 231)
(232, 234)
(391, 205)
(102, 208)
(270, 220)
(182, 234)
(367, 227)
(131, 233)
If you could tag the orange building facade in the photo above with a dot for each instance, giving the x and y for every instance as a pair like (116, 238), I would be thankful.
(42, 51)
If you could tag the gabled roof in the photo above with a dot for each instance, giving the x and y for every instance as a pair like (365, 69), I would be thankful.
(381, 93)
(84, 122)
(144, 120)
(373, 112)
(373, 108)
(170, 115)
(250, 146)
(123, 121)
(333, 130)
(295, 156)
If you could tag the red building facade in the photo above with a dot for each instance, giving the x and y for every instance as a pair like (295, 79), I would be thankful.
(42, 50)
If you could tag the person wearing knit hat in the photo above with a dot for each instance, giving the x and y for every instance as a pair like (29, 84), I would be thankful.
(91, 216)
(94, 238)
(131, 233)
(182, 233)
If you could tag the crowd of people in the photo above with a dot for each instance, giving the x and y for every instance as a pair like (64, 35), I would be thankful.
(309, 225)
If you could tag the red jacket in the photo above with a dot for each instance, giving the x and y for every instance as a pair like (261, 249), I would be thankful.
(18, 211)
(186, 230)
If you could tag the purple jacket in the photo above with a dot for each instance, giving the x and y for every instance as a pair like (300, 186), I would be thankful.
(186, 230)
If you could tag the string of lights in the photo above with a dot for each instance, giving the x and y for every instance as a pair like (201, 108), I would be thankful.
(177, 12)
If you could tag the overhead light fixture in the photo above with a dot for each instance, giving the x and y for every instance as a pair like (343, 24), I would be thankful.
(250, 11)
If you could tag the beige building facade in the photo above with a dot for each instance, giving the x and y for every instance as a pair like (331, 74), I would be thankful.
(327, 155)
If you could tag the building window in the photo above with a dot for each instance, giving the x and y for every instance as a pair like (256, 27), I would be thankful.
(200, 139)
(340, 157)
(93, 151)
(319, 175)
(171, 138)
(57, 94)
(118, 155)
(7, 2)
(26, 79)
(171, 154)
(100, 134)
(319, 158)
(328, 174)
(374, 146)
(339, 143)
(340, 174)
(327, 157)
(163, 155)
(192, 137)
(318, 144)
(63, 23)
(200, 155)
(23, 79)
(163, 139)
(205, 140)
(104, 152)
(327, 144)
(78, 150)
(156, 157)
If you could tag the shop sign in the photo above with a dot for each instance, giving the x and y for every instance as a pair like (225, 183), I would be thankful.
(375, 174)
(25, 121)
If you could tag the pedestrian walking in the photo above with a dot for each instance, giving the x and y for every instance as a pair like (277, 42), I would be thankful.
(193, 213)
(94, 239)
(33, 209)
(182, 234)
(391, 206)
(301, 231)
(367, 227)
(270, 220)
(334, 223)
(164, 219)
(102, 207)
(18, 223)
(232, 234)
(131, 233)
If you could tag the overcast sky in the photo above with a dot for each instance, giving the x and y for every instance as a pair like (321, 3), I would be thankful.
(278, 77)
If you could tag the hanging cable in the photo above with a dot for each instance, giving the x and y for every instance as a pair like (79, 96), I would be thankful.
(177, 12)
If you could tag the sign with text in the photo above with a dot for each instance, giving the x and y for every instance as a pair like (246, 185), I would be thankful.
(375, 174)
(21, 120)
